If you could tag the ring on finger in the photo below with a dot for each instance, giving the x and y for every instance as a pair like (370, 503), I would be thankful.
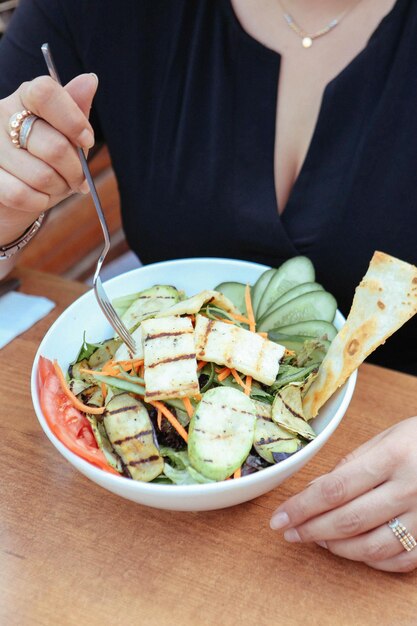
(404, 537)
(20, 125)
(26, 129)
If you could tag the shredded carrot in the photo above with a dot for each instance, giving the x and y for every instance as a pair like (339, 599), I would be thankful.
(223, 374)
(237, 378)
(75, 401)
(170, 417)
(116, 374)
(248, 385)
(223, 319)
(103, 390)
(198, 397)
(249, 308)
(188, 407)
(200, 365)
(238, 473)
(110, 369)
(239, 318)
(128, 361)
(128, 366)
(262, 334)
(159, 419)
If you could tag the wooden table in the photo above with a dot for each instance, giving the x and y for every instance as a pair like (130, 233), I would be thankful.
(72, 553)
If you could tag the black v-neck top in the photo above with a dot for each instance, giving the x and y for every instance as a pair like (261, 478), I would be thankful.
(187, 106)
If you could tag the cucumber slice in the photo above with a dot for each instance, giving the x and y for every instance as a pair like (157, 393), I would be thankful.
(310, 328)
(221, 432)
(259, 287)
(291, 273)
(296, 291)
(315, 305)
(235, 292)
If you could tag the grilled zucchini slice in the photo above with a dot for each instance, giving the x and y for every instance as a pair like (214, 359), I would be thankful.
(130, 431)
(269, 437)
(148, 303)
(221, 432)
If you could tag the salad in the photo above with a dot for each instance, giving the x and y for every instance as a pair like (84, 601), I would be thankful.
(223, 383)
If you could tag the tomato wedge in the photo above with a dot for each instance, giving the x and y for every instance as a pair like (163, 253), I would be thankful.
(45, 367)
(67, 423)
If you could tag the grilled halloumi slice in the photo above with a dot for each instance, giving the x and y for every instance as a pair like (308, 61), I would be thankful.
(193, 305)
(243, 350)
(169, 357)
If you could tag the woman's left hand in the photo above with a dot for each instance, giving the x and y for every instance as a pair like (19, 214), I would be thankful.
(347, 510)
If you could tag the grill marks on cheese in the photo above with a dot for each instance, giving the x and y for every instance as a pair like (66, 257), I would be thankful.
(235, 347)
(169, 357)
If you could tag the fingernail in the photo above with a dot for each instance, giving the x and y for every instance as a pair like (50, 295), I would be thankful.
(292, 535)
(313, 481)
(84, 188)
(86, 139)
(95, 76)
(279, 520)
(322, 544)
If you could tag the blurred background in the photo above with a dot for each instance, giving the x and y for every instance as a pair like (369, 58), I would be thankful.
(60, 248)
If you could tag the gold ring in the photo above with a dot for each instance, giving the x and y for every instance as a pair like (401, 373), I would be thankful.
(406, 539)
(15, 126)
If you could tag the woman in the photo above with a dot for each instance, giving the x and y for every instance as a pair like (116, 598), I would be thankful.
(248, 129)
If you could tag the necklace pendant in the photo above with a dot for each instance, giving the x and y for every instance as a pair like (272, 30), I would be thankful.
(307, 42)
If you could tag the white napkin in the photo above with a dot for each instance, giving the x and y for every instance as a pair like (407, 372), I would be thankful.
(18, 312)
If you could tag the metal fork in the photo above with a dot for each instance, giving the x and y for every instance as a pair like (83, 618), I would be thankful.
(101, 296)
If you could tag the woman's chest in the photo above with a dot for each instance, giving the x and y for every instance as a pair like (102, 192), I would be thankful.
(199, 154)
(305, 72)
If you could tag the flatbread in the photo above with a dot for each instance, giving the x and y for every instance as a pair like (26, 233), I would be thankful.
(384, 300)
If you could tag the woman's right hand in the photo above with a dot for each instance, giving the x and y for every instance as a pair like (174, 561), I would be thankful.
(36, 179)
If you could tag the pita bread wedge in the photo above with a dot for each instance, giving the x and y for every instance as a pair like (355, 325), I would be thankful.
(384, 300)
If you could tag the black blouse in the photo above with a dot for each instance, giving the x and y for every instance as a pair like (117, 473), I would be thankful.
(187, 106)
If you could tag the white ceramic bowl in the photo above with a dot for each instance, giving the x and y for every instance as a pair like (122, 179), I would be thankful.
(64, 338)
